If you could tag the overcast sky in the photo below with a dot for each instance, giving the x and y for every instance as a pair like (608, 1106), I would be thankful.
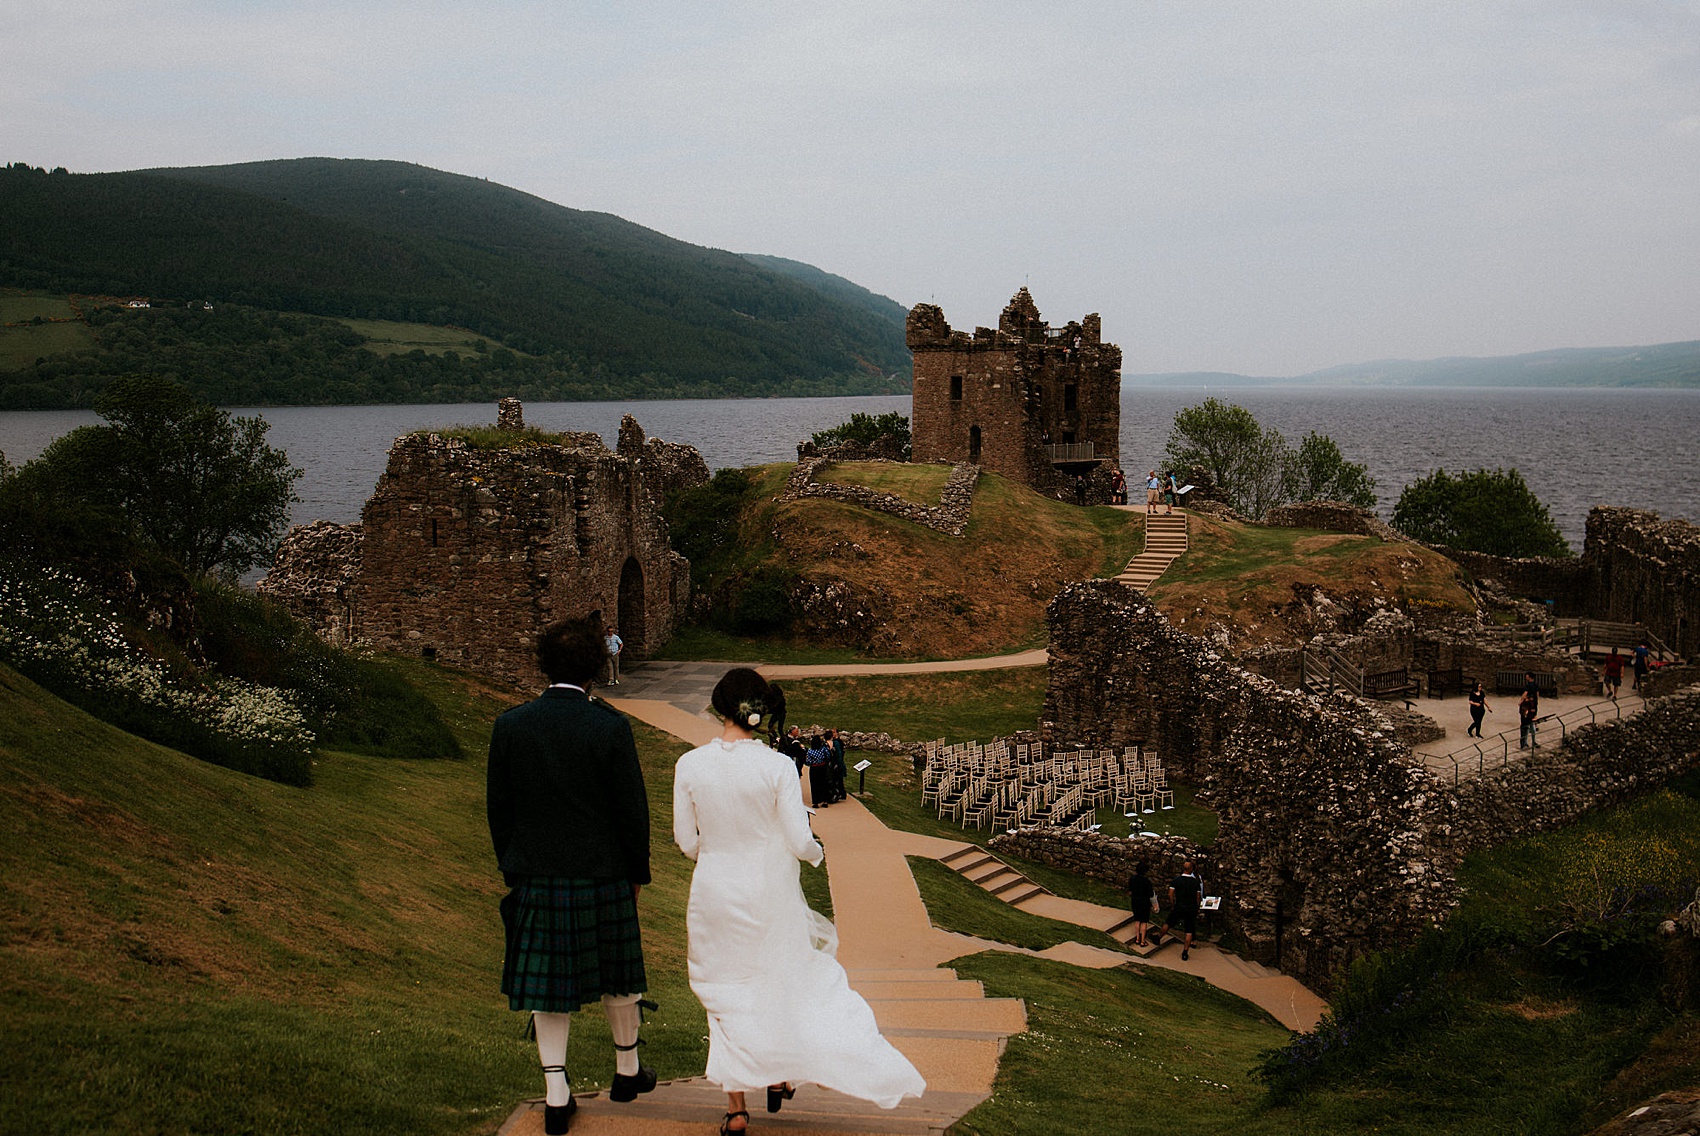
(1264, 188)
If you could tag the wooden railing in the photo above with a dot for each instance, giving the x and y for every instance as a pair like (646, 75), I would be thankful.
(1072, 452)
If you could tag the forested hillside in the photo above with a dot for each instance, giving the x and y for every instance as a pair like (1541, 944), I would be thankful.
(611, 308)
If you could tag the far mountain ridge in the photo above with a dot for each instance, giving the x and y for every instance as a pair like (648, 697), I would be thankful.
(607, 301)
(1659, 365)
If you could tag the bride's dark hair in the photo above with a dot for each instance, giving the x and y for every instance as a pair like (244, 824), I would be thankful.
(741, 693)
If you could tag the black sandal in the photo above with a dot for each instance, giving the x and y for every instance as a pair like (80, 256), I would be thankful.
(726, 1128)
(778, 1096)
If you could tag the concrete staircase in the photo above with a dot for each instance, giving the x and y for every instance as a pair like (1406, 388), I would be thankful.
(945, 1025)
(981, 867)
(1165, 539)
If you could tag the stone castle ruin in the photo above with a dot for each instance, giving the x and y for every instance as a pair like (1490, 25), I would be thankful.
(1335, 839)
(1037, 404)
(465, 552)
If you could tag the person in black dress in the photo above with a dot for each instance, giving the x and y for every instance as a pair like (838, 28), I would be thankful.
(569, 821)
(1142, 893)
(1478, 707)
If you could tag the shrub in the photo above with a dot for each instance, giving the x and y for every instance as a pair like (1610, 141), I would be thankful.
(868, 429)
(1488, 511)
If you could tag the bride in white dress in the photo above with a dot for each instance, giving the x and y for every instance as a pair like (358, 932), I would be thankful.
(780, 1010)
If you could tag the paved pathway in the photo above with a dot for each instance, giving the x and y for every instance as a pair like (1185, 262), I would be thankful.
(893, 953)
(1165, 542)
(1500, 728)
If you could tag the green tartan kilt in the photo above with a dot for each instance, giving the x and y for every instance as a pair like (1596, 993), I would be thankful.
(570, 941)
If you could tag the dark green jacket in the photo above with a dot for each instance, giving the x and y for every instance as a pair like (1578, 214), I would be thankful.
(565, 794)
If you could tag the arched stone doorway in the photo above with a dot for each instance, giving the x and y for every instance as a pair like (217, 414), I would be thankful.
(974, 444)
(631, 610)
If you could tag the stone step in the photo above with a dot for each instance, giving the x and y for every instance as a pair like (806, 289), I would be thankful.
(900, 974)
(965, 854)
(985, 874)
(944, 989)
(1015, 898)
(950, 1017)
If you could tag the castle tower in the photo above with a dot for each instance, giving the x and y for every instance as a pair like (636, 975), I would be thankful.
(1034, 403)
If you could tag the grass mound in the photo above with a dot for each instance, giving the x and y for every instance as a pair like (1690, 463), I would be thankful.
(821, 574)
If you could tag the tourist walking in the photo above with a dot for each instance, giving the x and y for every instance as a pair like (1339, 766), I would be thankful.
(1118, 488)
(1643, 653)
(1080, 489)
(1614, 674)
(569, 820)
(1186, 891)
(1142, 894)
(1478, 707)
(615, 645)
(780, 1009)
(1528, 707)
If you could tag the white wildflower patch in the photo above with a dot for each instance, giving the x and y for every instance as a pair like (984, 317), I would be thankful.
(57, 629)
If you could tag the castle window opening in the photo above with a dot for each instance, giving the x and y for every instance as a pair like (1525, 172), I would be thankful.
(974, 444)
(429, 653)
(1071, 396)
(956, 388)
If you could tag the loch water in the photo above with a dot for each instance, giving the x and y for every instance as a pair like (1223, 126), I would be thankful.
(1576, 448)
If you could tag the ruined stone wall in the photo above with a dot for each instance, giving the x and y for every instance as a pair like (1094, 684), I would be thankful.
(1328, 824)
(949, 516)
(314, 574)
(1641, 569)
(1561, 579)
(1330, 516)
(1334, 839)
(465, 554)
(994, 398)
(1107, 859)
(1597, 766)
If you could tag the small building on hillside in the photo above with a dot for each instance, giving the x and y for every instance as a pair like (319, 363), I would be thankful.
(1037, 404)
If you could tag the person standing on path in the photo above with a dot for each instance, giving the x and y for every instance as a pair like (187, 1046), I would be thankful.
(1153, 492)
(780, 1008)
(1528, 707)
(569, 821)
(1643, 651)
(1614, 674)
(1186, 891)
(1478, 707)
(615, 645)
(1142, 893)
(1171, 491)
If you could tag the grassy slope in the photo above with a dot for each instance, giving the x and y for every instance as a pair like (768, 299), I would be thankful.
(935, 596)
(1243, 576)
(174, 929)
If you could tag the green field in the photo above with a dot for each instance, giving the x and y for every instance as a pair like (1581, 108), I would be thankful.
(387, 337)
(23, 342)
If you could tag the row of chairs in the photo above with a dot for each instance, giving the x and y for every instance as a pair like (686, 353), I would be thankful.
(1005, 785)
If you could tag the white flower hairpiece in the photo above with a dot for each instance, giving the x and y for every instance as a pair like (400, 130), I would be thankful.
(750, 713)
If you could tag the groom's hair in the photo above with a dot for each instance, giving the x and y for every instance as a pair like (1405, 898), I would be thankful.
(572, 651)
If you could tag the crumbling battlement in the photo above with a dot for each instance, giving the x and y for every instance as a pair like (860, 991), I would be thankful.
(949, 516)
(464, 554)
(999, 398)
(1331, 516)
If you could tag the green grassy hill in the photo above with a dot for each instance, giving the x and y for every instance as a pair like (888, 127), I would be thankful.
(187, 949)
(400, 242)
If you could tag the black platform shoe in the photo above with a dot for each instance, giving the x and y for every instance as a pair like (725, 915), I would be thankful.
(626, 1087)
(778, 1096)
(558, 1118)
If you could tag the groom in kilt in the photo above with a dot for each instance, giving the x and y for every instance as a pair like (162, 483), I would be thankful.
(569, 819)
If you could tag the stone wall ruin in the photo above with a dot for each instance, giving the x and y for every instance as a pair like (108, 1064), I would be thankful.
(1334, 839)
(463, 554)
(1005, 398)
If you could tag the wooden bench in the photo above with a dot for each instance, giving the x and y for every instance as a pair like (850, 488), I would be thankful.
(1442, 683)
(1390, 684)
(1511, 682)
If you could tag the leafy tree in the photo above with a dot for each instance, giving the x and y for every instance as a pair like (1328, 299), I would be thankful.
(185, 477)
(1489, 511)
(1256, 469)
(868, 429)
(1317, 471)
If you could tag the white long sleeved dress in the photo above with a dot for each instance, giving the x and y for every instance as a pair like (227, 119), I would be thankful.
(761, 962)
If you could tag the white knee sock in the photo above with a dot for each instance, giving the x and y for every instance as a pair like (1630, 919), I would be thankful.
(552, 1051)
(623, 1020)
